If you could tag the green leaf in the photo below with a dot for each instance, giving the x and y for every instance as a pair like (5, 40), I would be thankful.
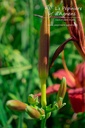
(3, 116)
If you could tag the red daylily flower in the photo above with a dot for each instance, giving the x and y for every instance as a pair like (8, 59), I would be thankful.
(76, 86)
(75, 28)
(76, 80)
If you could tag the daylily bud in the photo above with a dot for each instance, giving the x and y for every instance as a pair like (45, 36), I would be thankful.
(61, 92)
(16, 105)
(44, 45)
(62, 89)
(33, 112)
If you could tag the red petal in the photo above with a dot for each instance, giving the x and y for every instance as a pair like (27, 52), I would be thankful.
(51, 89)
(62, 73)
(59, 50)
(76, 97)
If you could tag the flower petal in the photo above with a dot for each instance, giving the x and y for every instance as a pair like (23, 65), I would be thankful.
(76, 97)
(51, 89)
(59, 50)
(62, 73)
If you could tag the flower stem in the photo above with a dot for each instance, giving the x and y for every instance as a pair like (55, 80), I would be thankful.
(43, 100)
(20, 121)
(43, 123)
(43, 93)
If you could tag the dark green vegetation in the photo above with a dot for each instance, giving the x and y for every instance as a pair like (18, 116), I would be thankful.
(19, 41)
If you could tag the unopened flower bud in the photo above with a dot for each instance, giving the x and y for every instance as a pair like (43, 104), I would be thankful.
(44, 45)
(16, 105)
(61, 92)
(62, 89)
(34, 113)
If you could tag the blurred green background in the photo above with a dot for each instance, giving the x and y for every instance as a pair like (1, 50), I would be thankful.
(19, 44)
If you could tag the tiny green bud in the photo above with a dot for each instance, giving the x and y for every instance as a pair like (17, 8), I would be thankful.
(48, 115)
(33, 100)
(42, 112)
(16, 105)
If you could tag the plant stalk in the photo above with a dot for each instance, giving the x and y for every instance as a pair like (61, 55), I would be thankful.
(43, 93)
(43, 100)
(43, 123)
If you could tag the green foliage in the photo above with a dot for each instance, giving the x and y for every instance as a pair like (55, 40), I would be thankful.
(19, 40)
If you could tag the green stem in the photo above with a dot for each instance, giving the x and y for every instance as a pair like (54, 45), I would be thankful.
(20, 121)
(43, 100)
(43, 93)
(43, 123)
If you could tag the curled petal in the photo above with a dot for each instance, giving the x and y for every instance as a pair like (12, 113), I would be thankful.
(59, 50)
(62, 73)
(80, 27)
(76, 30)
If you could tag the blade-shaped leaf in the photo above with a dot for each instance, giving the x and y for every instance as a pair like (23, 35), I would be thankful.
(3, 117)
